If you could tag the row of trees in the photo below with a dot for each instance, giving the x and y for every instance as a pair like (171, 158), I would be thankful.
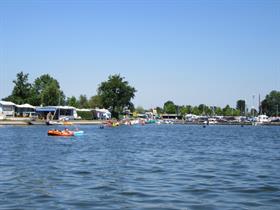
(170, 108)
(114, 94)
(45, 90)
(269, 106)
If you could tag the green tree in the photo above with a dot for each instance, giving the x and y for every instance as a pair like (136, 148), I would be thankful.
(241, 105)
(204, 109)
(140, 110)
(253, 112)
(183, 110)
(169, 107)
(236, 112)
(72, 101)
(116, 94)
(218, 111)
(95, 102)
(195, 110)
(159, 110)
(228, 111)
(208, 111)
(271, 104)
(22, 90)
(83, 102)
(189, 109)
(130, 107)
(51, 95)
(41, 88)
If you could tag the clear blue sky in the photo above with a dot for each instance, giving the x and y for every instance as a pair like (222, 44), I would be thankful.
(191, 52)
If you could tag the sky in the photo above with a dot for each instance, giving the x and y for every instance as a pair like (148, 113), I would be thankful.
(191, 52)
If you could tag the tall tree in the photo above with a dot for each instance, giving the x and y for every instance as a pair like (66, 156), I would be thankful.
(188, 109)
(271, 104)
(22, 90)
(218, 111)
(169, 107)
(116, 94)
(41, 88)
(95, 102)
(51, 95)
(195, 110)
(183, 110)
(204, 109)
(159, 110)
(72, 101)
(140, 110)
(228, 111)
(241, 105)
(83, 101)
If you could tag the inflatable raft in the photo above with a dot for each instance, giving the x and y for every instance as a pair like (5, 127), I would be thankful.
(60, 133)
(78, 133)
(65, 133)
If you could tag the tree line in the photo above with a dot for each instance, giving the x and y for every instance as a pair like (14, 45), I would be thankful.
(170, 108)
(116, 94)
(269, 106)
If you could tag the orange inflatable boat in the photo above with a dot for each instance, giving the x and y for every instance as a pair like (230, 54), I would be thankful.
(60, 133)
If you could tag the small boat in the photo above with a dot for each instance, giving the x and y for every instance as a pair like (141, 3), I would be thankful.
(66, 132)
(50, 122)
(60, 133)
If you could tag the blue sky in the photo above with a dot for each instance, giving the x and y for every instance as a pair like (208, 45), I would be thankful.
(191, 52)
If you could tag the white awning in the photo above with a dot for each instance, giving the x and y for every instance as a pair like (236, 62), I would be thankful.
(83, 110)
(102, 110)
(25, 106)
(65, 107)
(7, 103)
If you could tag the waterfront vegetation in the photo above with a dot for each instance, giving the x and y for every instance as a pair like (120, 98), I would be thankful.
(116, 94)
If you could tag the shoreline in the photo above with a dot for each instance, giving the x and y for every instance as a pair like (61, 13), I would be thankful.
(100, 122)
(34, 123)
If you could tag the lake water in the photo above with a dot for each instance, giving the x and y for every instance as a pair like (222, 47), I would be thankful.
(142, 167)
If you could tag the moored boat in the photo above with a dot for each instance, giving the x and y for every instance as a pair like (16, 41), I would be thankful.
(50, 122)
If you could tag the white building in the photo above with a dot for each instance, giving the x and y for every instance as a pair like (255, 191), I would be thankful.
(7, 109)
(24, 110)
(263, 119)
(102, 113)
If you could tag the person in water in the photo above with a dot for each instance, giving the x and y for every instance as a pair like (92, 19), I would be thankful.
(66, 130)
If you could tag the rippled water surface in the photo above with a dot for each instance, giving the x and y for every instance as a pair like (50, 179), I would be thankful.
(141, 167)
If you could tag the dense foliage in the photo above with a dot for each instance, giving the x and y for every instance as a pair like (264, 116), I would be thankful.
(271, 104)
(202, 109)
(22, 90)
(46, 91)
(169, 107)
(88, 115)
(241, 106)
(116, 94)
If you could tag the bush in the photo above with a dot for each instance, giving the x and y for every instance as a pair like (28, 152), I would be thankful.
(85, 115)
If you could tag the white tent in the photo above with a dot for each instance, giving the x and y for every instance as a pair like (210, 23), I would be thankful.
(7, 103)
(7, 109)
(27, 106)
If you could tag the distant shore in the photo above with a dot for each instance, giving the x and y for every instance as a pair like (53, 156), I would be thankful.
(100, 122)
(28, 122)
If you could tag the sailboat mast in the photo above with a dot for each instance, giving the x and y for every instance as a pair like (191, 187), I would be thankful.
(58, 106)
(260, 107)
